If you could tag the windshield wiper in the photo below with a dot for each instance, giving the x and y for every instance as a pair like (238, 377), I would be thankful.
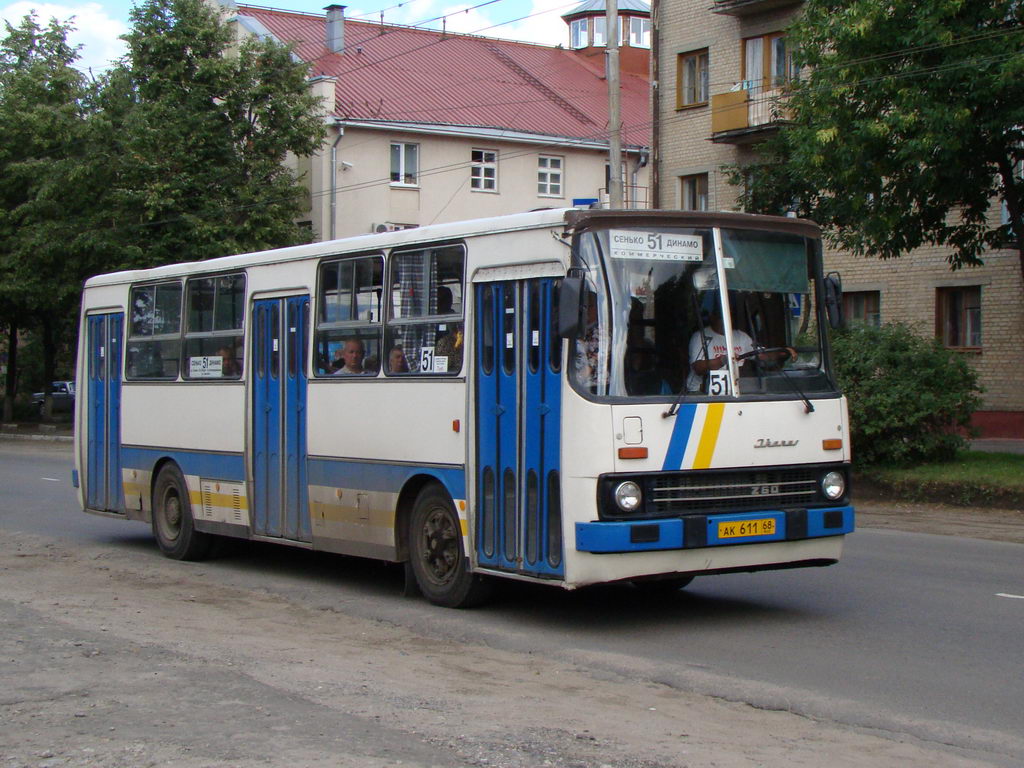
(808, 405)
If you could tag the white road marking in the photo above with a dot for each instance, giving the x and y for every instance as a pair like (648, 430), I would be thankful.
(1004, 594)
(52, 479)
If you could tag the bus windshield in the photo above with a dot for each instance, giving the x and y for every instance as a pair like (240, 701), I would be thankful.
(658, 314)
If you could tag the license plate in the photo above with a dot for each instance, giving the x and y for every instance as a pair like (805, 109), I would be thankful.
(738, 529)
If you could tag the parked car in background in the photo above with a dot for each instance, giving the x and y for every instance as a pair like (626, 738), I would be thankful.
(63, 394)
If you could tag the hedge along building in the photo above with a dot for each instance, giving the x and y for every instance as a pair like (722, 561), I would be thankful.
(717, 69)
(426, 126)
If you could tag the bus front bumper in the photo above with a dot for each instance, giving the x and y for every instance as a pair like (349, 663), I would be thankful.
(697, 531)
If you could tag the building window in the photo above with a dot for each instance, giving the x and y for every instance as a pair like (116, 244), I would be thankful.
(639, 32)
(958, 316)
(484, 170)
(768, 62)
(578, 33)
(405, 164)
(862, 308)
(599, 28)
(549, 176)
(694, 191)
(692, 79)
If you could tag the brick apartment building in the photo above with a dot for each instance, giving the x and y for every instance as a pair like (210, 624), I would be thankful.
(717, 65)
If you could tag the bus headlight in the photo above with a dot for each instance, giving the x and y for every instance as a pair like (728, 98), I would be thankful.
(628, 496)
(833, 485)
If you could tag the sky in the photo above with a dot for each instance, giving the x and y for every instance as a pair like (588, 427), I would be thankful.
(98, 25)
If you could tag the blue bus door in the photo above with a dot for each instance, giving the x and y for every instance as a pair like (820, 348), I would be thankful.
(103, 489)
(279, 384)
(518, 411)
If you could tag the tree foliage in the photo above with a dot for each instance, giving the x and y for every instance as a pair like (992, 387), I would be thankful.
(176, 155)
(905, 128)
(43, 107)
(196, 132)
(910, 398)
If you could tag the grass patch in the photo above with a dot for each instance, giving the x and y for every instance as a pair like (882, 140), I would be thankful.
(973, 478)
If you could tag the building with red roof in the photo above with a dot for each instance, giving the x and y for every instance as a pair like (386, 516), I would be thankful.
(427, 126)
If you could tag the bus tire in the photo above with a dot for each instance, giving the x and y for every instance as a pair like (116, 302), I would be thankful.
(172, 518)
(437, 555)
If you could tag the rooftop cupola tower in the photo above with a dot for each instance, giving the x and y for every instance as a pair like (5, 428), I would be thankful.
(588, 36)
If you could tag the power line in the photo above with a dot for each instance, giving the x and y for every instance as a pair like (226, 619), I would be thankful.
(561, 143)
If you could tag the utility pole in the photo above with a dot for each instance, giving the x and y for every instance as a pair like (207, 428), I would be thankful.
(614, 117)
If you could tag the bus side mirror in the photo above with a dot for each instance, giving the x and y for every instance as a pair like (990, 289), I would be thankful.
(570, 307)
(834, 299)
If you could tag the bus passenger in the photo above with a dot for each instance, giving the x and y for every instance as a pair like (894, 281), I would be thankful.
(229, 367)
(350, 363)
(396, 360)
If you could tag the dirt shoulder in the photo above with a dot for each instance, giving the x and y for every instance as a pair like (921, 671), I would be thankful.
(944, 519)
(112, 656)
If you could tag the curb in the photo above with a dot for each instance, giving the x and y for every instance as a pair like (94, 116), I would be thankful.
(37, 438)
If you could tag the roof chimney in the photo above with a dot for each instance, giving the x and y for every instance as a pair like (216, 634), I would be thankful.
(335, 28)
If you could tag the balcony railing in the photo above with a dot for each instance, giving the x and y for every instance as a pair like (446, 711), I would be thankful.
(633, 197)
(748, 7)
(744, 114)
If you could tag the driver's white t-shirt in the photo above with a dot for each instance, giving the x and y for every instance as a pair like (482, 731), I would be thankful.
(741, 342)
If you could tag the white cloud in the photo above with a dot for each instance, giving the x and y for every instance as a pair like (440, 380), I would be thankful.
(94, 29)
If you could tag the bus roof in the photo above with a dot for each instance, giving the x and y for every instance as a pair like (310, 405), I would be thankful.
(574, 218)
(431, 233)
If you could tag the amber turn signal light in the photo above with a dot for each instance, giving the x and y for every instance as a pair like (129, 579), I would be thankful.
(633, 453)
(832, 445)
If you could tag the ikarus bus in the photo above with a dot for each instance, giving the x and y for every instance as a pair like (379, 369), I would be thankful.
(562, 396)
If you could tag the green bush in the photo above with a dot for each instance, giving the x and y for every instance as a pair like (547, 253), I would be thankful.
(911, 399)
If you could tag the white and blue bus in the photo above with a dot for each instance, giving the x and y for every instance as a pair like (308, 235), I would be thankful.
(562, 396)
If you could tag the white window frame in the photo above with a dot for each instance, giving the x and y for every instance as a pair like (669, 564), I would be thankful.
(403, 159)
(549, 176)
(639, 32)
(478, 173)
(579, 34)
(600, 24)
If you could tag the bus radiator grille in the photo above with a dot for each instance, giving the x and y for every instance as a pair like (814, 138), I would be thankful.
(683, 492)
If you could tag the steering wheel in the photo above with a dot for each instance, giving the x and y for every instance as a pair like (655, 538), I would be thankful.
(762, 351)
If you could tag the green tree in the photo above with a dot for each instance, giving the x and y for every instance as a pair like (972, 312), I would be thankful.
(196, 131)
(905, 128)
(43, 105)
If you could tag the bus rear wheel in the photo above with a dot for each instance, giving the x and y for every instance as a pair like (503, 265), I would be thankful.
(437, 555)
(173, 526)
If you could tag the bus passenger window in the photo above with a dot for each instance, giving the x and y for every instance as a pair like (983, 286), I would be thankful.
(214, 338)
(154, 332)
(426, 309)
(347, 338)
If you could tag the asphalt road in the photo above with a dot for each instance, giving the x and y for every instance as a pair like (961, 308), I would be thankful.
(911, 634)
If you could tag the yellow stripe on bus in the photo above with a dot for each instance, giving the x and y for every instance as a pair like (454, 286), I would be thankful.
(220, 500)
(709, 435)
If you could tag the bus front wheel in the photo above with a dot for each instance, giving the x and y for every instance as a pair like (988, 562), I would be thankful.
(437, 555)
(172, 518)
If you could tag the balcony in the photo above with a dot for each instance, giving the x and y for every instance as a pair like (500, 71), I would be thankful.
(742, 8)
(746, 114)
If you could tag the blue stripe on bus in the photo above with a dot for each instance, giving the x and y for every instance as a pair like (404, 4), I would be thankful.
(618, 537)
(384, 477)
(218, 466)
(680, 436)
(647, 535)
